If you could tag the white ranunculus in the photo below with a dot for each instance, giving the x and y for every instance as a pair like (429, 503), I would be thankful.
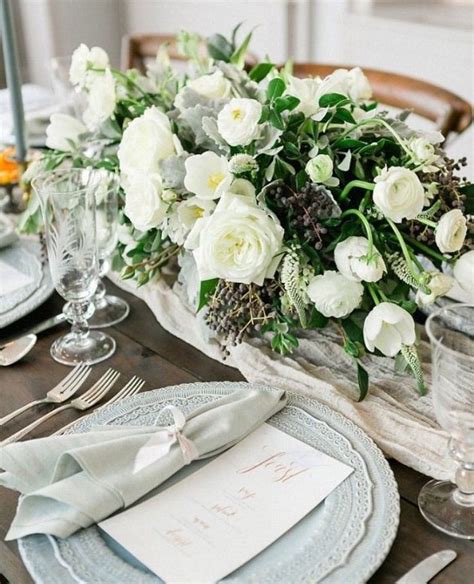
(359, 86)
(320, 169)
(207, 175)
(239, 242)
(387, 327)
(143, 203)
(63, 130)
(423, 153)
(451, 231)
(334, 295)
(101, 100)
(146, 140)
(440, 284)
(237, 122)
(83, 59)
(399, 193)
(353, 262)
(306, 90)
(212, 86)
(464, 273)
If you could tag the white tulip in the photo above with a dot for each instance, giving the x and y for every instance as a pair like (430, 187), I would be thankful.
(399, 193)
(306, 90)
(351, 257)
(237, 122)
(144, 205)
(62, 131)
(213, 86)
(359, 86)
(146, 140)
(239, 242)
(451, 231)
(207, 175)
(387, 327)
(464, 273)
(101, 100)
(440, 284)
(334, 295)
(83, 59)
(320, 169)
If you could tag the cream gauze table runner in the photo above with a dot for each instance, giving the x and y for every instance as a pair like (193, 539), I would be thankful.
(402, 423)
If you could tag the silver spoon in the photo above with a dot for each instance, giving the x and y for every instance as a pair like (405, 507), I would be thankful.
(13, 350)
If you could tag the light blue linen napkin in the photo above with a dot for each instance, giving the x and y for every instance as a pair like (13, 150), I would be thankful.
(73, 481)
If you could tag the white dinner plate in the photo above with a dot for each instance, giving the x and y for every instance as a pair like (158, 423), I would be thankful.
(344, 539)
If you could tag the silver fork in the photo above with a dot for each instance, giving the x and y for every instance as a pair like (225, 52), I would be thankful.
(83, 402)
(132, 387)
(65, 389)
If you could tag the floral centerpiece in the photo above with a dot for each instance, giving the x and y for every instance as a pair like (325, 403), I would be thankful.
(293, 202)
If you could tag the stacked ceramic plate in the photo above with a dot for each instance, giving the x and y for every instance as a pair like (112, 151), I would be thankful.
(24, 282)
(345, 539)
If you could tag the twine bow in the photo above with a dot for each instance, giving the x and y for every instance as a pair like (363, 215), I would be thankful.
(161, 442)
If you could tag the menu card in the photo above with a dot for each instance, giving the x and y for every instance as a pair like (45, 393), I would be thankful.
(215, 520)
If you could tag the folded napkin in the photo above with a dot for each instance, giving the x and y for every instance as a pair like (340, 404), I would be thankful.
(75, 480)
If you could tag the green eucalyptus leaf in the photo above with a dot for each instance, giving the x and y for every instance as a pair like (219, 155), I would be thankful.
(260, 71)
(275, 88)
(207, 287)
(331, 99)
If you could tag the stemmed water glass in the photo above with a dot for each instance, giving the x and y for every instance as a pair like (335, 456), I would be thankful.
(109, 309)
(450, 506)
(67, 199)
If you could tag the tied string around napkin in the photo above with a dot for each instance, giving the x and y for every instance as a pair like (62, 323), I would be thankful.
(72, 481)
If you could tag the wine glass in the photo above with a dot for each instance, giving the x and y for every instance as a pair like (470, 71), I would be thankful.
(450, 506)
(109, 309)
(67, 199)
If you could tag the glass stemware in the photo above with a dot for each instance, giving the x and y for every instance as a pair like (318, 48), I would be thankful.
(67, 200)
(447, 506)
(109, 309)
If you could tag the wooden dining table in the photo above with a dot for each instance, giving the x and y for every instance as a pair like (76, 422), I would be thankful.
(144, 348)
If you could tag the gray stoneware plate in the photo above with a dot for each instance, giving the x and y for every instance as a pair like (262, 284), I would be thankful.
(345, 539)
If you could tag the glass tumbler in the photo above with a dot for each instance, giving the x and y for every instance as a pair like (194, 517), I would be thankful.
(67, 199)
(450, 506)
(109, 309)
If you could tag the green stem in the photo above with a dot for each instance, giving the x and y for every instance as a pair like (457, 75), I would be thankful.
(378, 122)
(367, 227)
(381, 293)
(406, 253)
(425, 249)
(426, 222)
(361, 184)
(364, 202)
(372, 293)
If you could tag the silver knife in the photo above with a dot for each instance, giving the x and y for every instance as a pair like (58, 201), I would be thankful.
(428, 568)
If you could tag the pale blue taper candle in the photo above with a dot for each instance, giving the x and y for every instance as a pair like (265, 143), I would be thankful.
(10, 58)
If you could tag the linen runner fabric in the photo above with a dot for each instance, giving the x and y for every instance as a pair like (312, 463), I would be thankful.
(73, 481)
(402, 423)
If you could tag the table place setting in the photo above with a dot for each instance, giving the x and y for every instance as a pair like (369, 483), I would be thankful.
(280, 224)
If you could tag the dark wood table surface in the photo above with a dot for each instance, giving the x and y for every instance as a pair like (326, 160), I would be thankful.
(144, 348)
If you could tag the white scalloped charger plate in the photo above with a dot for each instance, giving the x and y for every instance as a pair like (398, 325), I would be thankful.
(345, 539)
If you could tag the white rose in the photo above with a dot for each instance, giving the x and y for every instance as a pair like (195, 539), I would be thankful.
(451, 231)
(239, 242)
(237, 122)
(213, 86)
(82, 60)
(359, 86)
(464, 273)
(143, 203)
(387, 327)
(399, 193)
(320, 169)
(63, 130)
(334, 295)
(207, 175)
(351, 260)
(146, 140)
(439, 285)
(306, 90)
(100, 100)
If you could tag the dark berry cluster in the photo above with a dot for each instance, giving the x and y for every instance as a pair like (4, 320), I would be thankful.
(303, 211)
(235, 310)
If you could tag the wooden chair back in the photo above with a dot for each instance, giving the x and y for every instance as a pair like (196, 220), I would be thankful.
(447, 110)
(138, 48)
